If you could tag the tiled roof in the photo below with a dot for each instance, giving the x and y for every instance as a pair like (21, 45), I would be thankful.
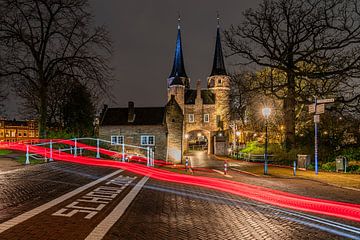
(143, 116)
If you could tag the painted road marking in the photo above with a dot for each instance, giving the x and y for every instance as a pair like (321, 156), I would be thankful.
(222, 173)
(94, 201)
(100, 230)
(25, 216)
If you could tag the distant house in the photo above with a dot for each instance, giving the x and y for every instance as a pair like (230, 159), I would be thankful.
(138, 126)
(13, 130)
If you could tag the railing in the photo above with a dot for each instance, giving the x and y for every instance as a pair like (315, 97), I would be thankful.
(77, 147)
(253, 157)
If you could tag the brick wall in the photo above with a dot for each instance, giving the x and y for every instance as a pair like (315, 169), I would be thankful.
(132, 135)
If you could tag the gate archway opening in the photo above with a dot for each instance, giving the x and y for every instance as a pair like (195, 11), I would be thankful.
(198, 140)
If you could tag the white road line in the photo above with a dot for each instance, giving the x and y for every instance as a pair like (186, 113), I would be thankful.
(222, 173)
(25, 216)
(100, 230)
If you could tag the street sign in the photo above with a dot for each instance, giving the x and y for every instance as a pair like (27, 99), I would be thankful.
(329, 100)
(311, 108)
(316, 118)
(319, 108)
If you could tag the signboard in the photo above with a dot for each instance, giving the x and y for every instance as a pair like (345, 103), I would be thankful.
(329, 100)
(319, 108)
(316, 118)
(311, 108)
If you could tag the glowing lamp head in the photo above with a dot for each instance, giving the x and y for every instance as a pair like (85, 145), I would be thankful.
(266, 112)
(238, 133)
(199, 134)
(186, 136)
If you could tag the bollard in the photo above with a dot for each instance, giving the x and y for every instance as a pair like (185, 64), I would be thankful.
(295, 168)
(225, 167)
(71, 150)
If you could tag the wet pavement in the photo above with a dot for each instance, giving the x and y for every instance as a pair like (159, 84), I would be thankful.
(200, 159)
(70, 201)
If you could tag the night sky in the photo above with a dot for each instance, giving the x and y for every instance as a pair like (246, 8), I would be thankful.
(144, 35)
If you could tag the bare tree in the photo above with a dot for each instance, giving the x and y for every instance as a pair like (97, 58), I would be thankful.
(44, 41)
(314, 44)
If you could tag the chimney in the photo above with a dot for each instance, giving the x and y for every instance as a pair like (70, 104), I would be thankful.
(131, 112)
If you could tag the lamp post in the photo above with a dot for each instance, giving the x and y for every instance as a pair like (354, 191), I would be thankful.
(237, 134)
(266, 113)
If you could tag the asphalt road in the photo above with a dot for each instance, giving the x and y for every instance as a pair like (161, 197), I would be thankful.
(69, 201)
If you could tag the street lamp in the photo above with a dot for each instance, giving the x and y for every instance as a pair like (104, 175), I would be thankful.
(266, 113)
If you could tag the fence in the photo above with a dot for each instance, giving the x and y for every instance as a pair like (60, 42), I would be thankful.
(253, 157)
(89, 146)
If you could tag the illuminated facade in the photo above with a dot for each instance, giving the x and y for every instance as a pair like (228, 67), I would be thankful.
(12, 130)
(206, 112)
(198, 113)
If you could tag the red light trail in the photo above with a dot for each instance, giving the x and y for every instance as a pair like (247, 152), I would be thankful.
(270, 196)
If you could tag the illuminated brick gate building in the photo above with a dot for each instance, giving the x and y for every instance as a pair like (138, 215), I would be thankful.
(188, 113)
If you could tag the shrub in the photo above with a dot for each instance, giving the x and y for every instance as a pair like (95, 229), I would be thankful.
(329, 166)
(253, 148)
(353, 167)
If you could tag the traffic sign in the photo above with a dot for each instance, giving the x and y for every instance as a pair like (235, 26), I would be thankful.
(316, 118)
(311, 108)
(329, 100)
(319, 108)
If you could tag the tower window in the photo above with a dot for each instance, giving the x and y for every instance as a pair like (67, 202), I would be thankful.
(219, 81)
(191, 118)
(206, 117)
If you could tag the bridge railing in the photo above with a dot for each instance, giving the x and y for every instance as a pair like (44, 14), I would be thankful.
(76, 146)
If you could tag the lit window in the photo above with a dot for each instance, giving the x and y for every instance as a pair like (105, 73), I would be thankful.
(206, 117)
(191, 118)
(116, 140)
(147, 140)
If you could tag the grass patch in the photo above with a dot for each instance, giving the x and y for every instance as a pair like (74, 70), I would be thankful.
(22, 160)
(338, 179)
(5, 152)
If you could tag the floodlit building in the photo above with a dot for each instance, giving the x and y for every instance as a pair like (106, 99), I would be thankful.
(191, 119)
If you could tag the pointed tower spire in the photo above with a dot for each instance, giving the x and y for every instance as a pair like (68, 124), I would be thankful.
(178, 67)
(218, 64)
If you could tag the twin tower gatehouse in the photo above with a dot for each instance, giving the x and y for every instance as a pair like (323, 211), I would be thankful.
(192, 119)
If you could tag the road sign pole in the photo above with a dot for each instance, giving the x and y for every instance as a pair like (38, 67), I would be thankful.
(316, 140)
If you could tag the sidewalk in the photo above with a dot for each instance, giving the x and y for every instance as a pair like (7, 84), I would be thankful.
(306, 183)
(351, 181)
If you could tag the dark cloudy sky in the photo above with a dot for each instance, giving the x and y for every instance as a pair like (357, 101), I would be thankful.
(144, 35)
